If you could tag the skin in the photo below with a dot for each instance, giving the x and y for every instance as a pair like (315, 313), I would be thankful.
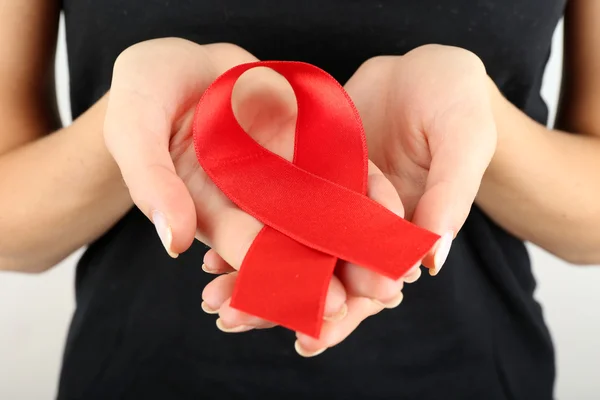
(59, 191)
(410, 123)
(163, 174)
(556, 170)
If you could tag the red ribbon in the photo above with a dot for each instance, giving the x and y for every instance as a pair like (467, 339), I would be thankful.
(315, 209)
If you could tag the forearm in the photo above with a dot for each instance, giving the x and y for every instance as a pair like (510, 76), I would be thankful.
(544, 185)
(58, 194)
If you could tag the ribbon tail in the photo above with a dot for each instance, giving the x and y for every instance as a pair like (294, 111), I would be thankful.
(284, 282)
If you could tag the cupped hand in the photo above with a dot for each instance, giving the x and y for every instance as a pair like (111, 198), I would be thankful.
(155, 88)
(431, 130)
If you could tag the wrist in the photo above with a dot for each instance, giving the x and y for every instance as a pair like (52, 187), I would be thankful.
(516, 134)
(87, 133)
(520, 141)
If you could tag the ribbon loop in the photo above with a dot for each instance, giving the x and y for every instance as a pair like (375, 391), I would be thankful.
(315, 209)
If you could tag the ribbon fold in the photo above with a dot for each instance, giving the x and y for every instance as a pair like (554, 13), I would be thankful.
(315, 209)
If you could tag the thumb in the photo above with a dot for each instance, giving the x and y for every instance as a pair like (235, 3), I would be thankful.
(466, 141)
(153, 84)
(137, 136)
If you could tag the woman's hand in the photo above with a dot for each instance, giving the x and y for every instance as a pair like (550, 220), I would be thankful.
(155, 88)
(430, 129)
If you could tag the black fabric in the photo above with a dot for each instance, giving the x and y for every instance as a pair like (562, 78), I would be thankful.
(473, 332)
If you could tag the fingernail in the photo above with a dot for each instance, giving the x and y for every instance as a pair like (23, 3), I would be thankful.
(441, 253)
(164, 231)
(206, 269)
(338, 316)
(207, 309)
(412, 278)
(235, 329)
(305, 353)
(395, 302)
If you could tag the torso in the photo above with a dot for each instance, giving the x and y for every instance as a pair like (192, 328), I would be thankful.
(473, 332)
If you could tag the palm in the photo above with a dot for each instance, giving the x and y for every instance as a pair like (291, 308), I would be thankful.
(395, 144)
(265, 107)
(419, 104)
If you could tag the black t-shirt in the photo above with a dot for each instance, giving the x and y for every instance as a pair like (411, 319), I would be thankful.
(473, 332)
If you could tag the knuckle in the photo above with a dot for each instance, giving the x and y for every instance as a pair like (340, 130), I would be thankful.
(128, 57)
(386, 288)
(148, 49)
(375, 62)
(471, 59)
(376, 66)
(226, 47)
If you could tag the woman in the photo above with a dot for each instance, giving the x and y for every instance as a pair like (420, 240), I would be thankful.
(443, 133)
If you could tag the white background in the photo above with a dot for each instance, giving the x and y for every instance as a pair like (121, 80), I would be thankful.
(35, 310)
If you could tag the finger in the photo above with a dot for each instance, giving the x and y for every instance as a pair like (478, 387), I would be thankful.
(232, 320)
(363, 282)
(214, 263)
(459, 160)
(217, 294)
(413, 275)
(216, 298)
(332, 333)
